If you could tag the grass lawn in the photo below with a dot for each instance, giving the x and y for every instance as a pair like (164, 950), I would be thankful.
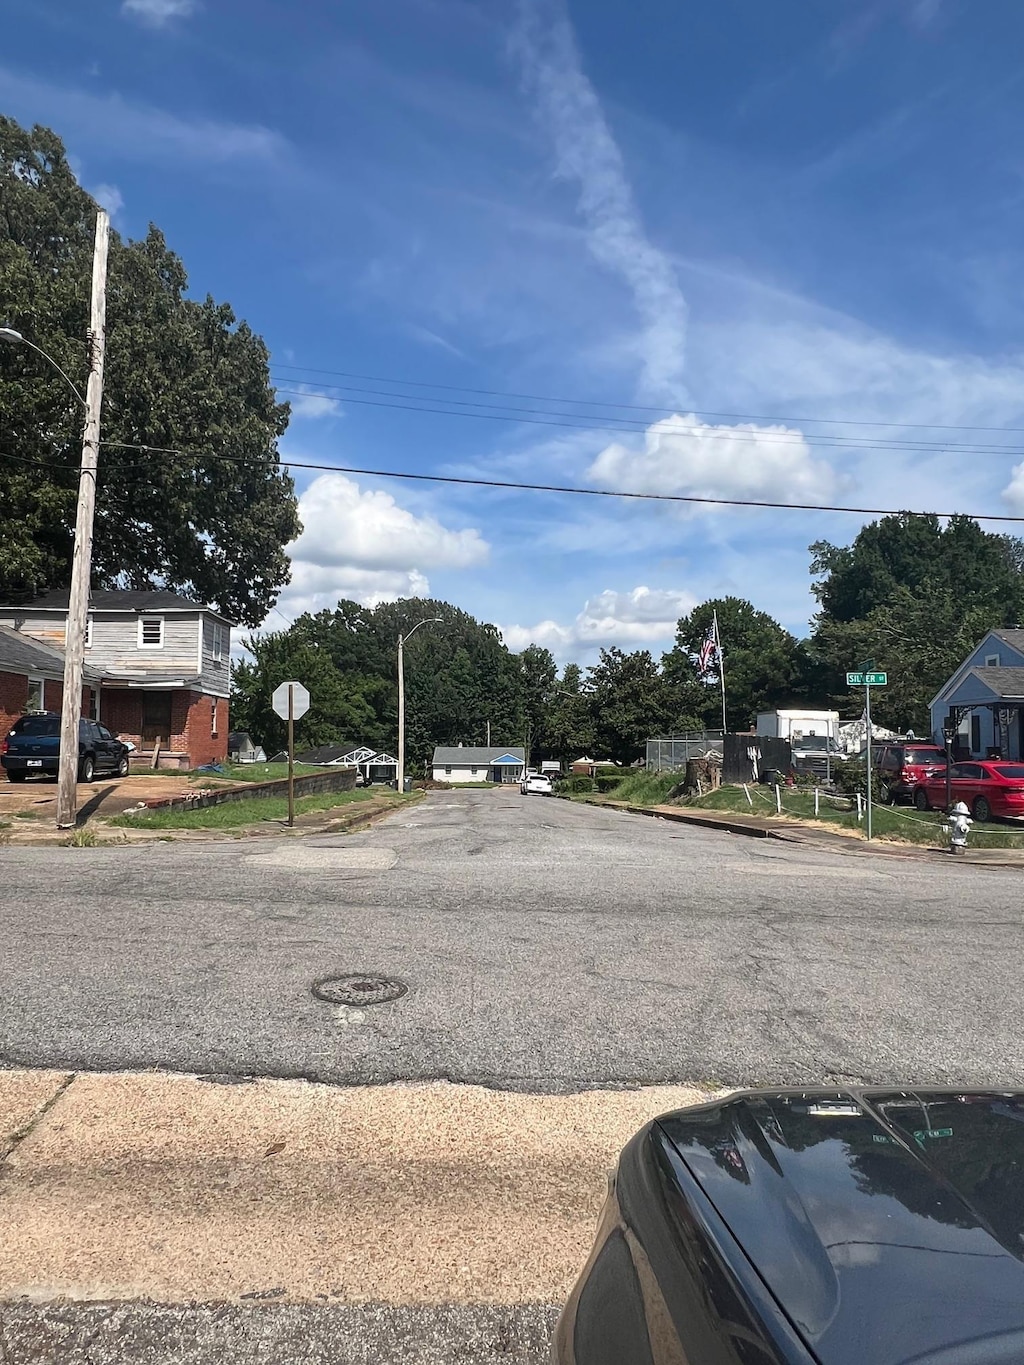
(235, 814)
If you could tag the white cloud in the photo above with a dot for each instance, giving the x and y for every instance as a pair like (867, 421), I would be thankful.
(345, 526)
(631, 619)
(1013, 493)
(135, 129)
(684, 455)
(309, 404)
(158, 12)
(360, 544)
(108, 197)
(588, 155)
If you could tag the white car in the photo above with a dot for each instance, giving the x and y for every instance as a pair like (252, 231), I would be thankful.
(535, 784)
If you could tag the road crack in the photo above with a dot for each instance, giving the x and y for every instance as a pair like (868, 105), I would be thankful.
(17, 1138)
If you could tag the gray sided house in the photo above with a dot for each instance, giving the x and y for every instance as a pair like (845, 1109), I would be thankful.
(466, 764)
(164, 663)
(983, 702)
(32, 679)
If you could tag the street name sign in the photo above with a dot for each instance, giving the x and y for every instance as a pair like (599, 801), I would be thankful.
(300, 700)
(867, 679)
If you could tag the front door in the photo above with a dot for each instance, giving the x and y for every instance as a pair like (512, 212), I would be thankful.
(156, 718)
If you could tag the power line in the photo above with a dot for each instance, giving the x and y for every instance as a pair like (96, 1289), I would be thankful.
(517, 486)
(537, 417)
(635, 407)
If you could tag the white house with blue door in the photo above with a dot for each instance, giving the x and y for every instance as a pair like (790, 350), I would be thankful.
(464, 763)
(984, 699)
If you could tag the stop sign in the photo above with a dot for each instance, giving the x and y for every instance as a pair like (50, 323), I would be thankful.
(300, 700)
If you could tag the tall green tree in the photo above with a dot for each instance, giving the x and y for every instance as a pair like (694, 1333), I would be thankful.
(765, 667)
(570, 728)
(210, 510)
(628, 701)
(913, 597)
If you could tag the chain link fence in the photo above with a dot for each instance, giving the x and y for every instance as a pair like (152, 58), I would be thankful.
(669, 753)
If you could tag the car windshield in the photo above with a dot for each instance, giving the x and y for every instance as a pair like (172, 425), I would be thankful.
(1011, 770)
(37, 725)
(921, 756)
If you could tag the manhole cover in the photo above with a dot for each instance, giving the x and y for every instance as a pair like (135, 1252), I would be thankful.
(358, 989)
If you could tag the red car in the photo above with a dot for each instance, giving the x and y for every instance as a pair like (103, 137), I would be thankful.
(990, 788)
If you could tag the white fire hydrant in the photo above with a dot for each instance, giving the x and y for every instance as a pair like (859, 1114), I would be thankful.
(959, 827)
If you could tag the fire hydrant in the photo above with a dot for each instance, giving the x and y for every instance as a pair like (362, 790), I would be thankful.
(959, 827)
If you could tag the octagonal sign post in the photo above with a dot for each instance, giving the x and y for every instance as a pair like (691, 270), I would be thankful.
(291, 702)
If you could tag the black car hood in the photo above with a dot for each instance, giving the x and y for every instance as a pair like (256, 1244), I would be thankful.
(889, 1226)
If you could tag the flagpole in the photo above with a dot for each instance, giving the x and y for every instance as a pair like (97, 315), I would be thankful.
(721, 668)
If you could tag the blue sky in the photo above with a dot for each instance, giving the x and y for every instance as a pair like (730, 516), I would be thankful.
(802, 217)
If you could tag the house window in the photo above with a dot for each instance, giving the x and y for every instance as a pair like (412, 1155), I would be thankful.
(472, 772)
(151, 632)
(991, 660)
(34, 700)
(218, 642)
(91, 710)
(88, 632)
(448, 770)
(975, 734)
(213, 718)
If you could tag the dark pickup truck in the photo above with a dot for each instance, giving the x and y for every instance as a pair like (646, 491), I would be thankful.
(33, 746)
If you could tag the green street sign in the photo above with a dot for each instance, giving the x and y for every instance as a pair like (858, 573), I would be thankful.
(855, 679)
(876, 679)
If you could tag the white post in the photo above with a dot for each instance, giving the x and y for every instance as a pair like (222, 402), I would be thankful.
(750, 799)
(817, 806)
(860, 807)
(81, 561)
(400, 772)
(778, 799)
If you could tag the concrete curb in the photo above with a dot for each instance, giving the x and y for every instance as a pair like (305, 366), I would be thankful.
(795, 832)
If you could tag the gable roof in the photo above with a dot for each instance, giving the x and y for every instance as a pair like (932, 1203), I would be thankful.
(22, 654)
(1014, 638)
(114, 599)
(476, 757)
(987, 685)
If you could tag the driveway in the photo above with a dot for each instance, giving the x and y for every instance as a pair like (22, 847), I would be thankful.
(105, 796)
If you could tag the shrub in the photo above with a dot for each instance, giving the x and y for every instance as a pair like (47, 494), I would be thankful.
(851, 777)
(576, 784)
(606, 782)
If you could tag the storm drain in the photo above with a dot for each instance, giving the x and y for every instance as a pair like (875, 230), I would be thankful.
(358, 989)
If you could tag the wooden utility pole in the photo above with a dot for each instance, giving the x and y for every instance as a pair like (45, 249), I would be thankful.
(81, 563)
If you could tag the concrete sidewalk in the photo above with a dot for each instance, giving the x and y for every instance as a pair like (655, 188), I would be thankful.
(167, 1188)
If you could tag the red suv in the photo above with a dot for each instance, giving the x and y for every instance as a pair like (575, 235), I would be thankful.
(901, 768)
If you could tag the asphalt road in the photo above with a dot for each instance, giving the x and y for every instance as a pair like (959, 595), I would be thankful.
(546, 946)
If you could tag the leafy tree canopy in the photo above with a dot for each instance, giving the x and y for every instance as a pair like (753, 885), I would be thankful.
(212, 522)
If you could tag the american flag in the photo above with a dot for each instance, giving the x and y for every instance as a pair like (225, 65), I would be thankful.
(708, 651)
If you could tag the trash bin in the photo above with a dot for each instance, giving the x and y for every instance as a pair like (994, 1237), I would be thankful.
(407, 784)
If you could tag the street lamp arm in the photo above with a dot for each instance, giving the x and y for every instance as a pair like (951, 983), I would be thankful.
(430, 620)
(9, 334)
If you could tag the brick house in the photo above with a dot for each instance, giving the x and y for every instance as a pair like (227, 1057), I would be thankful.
(165, 666)
(32, 679)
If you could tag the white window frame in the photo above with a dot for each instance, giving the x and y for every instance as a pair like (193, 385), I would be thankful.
(213, 718)
(217, 649)
(88, 632)
(991, 660)
(146, 644)
(41, 684)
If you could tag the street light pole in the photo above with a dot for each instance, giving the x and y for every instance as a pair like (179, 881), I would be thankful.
(400, 770)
